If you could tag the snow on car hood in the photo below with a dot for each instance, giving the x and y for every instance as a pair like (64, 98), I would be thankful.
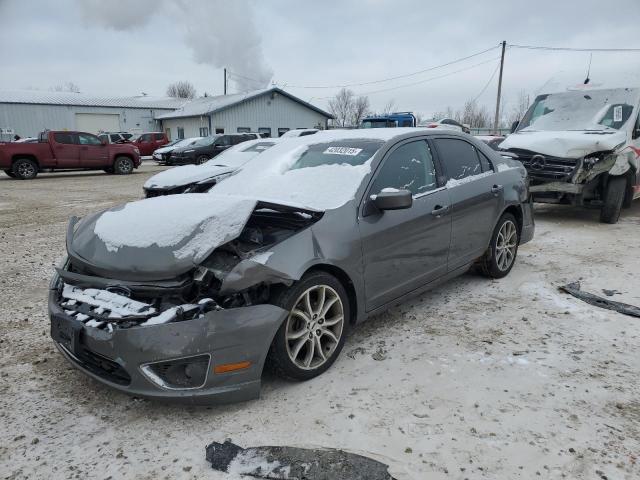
(185, 175)
(566, 144)
(161, 236)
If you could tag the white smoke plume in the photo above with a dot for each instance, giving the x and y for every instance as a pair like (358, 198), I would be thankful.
(219, 33)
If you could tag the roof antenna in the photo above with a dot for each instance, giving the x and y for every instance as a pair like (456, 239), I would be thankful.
(586, 80)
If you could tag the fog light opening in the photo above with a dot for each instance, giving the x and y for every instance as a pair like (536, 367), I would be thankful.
(180, 373)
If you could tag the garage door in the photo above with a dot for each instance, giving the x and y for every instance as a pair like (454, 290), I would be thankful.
(97, 122)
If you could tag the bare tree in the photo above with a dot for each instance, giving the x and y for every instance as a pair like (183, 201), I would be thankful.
(182, 89)
(520, 108)
(65, 87)
(359, 110)
(341, 107)
(389, 107)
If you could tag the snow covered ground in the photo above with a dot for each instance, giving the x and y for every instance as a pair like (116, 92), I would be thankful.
(477, 379)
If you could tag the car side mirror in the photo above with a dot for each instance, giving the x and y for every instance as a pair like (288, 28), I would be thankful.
(514, 125)
(392, 200)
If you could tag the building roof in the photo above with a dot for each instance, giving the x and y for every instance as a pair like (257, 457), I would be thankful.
(208, 105)
(80, 99)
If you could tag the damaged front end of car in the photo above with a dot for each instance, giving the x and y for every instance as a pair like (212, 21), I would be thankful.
(198, 329)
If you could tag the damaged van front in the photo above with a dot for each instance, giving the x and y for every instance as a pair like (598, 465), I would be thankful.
(582, 147)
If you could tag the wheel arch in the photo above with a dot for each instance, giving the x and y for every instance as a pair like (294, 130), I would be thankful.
(17, 157)
(346, 282)
(516, 211)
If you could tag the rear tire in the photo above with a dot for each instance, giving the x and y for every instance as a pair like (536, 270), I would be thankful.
(123, 166)
(25, 169)
(10, 173)
(613, 199)
(202, 159)
(313, 334)
(503, 249)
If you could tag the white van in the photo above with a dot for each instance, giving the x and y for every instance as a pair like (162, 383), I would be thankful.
(582, 147)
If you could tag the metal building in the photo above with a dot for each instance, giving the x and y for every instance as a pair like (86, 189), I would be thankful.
(270, 111)
(26, 113)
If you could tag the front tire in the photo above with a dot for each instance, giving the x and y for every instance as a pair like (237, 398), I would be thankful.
(503, 249)
(613, 199)
(202, 159)
(313, 334)
(123, 166)
(25, 169)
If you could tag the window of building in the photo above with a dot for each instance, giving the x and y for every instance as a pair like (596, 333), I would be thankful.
(204, 131)
(265, 132)
(282, 131)
(244, 129)
(219, 131)
(459, 158)
(181, 133)
(408, 167)
(65, 138)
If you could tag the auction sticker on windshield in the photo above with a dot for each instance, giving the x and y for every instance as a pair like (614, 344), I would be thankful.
(617, 113)
(342, 151)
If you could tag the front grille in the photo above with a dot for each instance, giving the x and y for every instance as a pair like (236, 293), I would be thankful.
(103, 367)
(546, 168)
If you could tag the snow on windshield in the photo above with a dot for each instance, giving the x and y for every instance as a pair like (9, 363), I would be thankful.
(581, 110)
(192, 224)
(321, 171)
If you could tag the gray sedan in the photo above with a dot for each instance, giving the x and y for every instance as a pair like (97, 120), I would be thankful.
(187, 297)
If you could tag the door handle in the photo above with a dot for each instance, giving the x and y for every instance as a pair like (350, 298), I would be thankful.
(440, 210)
(496, 189)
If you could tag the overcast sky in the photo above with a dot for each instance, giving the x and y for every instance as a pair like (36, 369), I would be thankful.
(122, 48)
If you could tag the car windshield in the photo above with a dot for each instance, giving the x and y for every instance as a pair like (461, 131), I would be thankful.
(382, 123)
(258, 147)
(594, 110)
(320, 174)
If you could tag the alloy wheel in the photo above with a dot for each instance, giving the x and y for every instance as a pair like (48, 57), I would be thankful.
(506, 245)
(26, 170)
(314, 327)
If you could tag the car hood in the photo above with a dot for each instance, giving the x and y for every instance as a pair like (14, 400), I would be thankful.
(157, 238)
(164, 149)
(566, 144)
(185, 175)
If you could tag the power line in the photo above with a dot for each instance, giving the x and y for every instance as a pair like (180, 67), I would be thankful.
(382, 80)
(571, 49)
(418, 82)
(487, 84)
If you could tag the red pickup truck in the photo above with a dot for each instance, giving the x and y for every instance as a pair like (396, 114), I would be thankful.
(67, 151)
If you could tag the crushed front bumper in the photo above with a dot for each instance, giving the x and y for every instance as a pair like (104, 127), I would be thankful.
(117, 358)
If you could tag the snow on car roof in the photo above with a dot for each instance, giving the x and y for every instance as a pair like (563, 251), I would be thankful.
(328, 185)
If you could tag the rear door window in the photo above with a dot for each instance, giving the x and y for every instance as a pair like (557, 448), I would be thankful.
(458, 157)
(66, 138)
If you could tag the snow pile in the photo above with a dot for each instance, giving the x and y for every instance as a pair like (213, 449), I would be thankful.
(118, 305)
(192, 224)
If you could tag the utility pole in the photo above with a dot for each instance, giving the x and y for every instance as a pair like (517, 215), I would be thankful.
(225, 80)
(496, 120)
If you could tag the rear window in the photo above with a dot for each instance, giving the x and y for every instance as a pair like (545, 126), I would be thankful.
(66, 138)
(345, 152)
(259, 147)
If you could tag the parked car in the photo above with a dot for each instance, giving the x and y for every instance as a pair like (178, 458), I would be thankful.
(207, 147)
(447, 124)
(299, 132)
(162, 154)
(582, 147)
(62, 150)
(186, 296)
(147, 143)
(116, 137)
(200, 178)
(493, 141)
(390, 120)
